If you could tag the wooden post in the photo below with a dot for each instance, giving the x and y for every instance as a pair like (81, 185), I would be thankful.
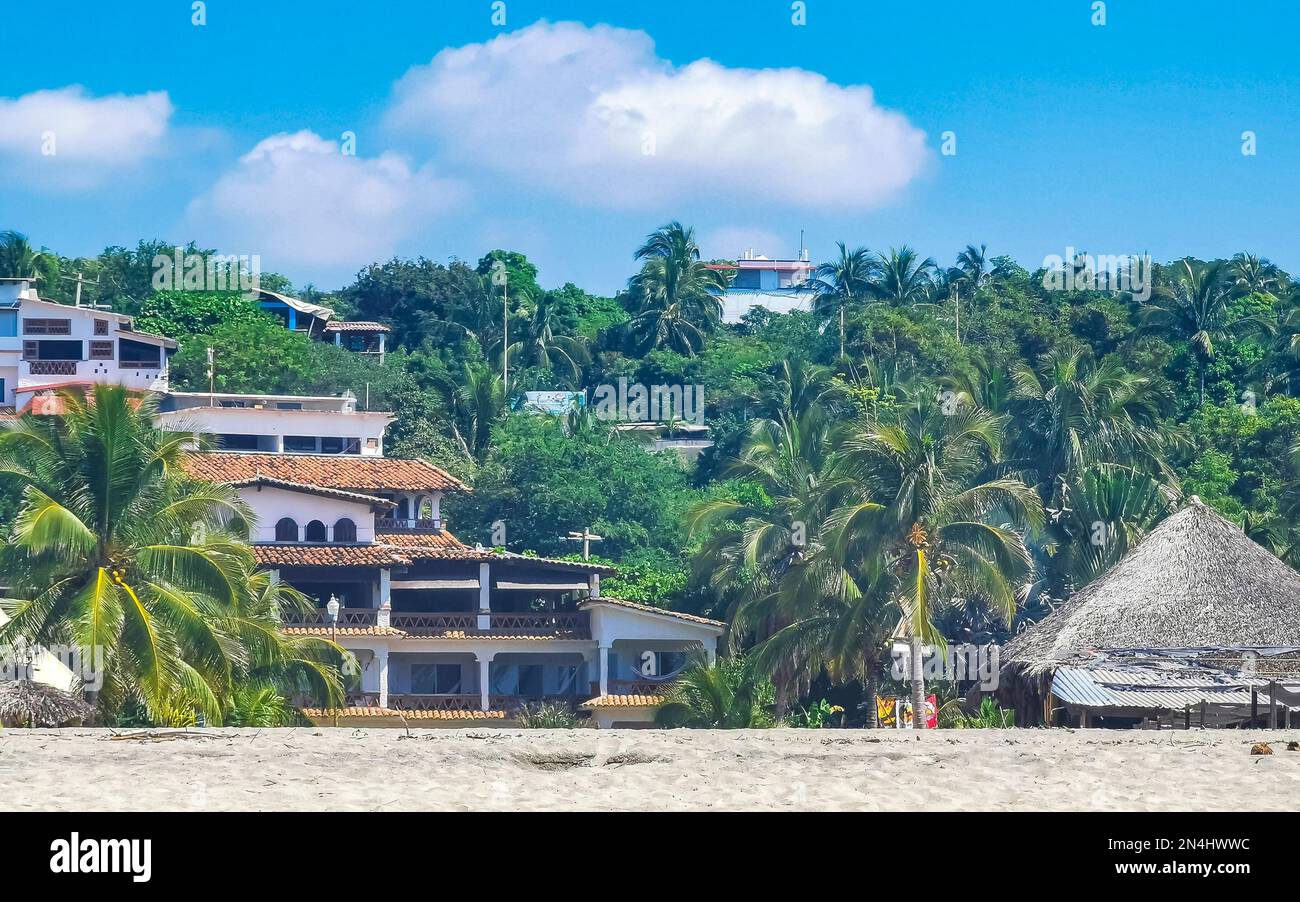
(1272, 705)
(1254, 705)
(1204, 707)
(1187, 717)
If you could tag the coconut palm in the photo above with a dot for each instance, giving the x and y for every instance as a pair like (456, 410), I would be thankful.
(675, 296)
(115, 549)
(541, 347)
(1254, 275)
(1070, 412)
(842, 283)
(1197, 311)
(934, 529)
(902, 278)
(477, 403)
(726, 694)
(19, 260)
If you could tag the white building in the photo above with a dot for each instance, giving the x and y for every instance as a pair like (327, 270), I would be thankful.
(277, 423)
(775, 285)
(45, 345)
(445, 632)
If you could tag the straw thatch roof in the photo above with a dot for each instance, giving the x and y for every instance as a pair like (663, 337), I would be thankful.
(28, 703)
(1195, 581)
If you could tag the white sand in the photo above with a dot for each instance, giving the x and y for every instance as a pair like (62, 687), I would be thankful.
(344, 769)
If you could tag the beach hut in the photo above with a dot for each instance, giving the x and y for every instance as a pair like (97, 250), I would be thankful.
(1196, 596)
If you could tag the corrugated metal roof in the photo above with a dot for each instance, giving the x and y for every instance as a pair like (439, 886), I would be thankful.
(1091, 688)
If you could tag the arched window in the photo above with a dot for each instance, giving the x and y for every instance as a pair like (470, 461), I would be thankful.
(345, 531)
(315, 532)
(286, 530)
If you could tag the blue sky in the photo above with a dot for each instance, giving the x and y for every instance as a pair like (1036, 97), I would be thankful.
(569, 142)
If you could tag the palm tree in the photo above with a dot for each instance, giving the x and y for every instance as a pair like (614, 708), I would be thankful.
(903, 278)
(477, 404)
(1254, 275)
(18, 260)
(115, 549)
(937, 530)
(726, 694)
(1070, 412)
(541, 347)
(841, 283)
(1197, 311)
(675, 296)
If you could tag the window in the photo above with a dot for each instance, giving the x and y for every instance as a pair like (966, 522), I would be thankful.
(286, 530)
(329, 445)
(31, 350)
(315, 532)
(101, 327)
(47, 327)
(288, 405)
(303, 444)
(345, 531)
(435, 679)
(237, 404)
(8, 323)
(137, 353)
(101, 350)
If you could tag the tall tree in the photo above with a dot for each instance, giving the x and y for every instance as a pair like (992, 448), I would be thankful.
(842, 283)
(903, 278)
(675, 296)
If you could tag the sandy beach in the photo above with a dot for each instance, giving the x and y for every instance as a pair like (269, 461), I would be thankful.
(542, 770)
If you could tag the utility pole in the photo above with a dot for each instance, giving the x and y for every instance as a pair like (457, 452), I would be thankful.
(586, 537)
(80, 281)
(212, 378)
(505, 339)
(956, 295)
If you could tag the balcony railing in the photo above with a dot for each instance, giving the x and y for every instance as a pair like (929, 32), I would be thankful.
(320, 617)
(414, 701)
(568, 624)
(53, 367)
(407, 524)
(560, 625)
(433, 624)
(638, 687)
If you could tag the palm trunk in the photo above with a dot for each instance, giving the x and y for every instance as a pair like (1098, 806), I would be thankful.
(1202, 404)
(873, 689)
(841, 330)
(918, 684)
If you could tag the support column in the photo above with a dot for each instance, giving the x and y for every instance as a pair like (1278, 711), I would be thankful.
(604, 670)
(278, 447)
(381, 348)
(484, 596)
(484, 678)
(384, 590)
(381, 660)
(593, 585)
(711, 651)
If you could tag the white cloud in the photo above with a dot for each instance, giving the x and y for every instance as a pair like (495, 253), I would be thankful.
(296, 200)
(595, 114)
(66, 139)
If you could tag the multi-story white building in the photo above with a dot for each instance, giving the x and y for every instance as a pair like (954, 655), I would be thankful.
(277, 423)
(776, 285)
(444, 631)
(46, 346)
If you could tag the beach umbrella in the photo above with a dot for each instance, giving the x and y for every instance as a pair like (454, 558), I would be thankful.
(36, 704)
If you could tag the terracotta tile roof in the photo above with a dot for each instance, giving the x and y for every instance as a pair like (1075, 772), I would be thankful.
(355, 326)
(343, 631)
(343, 713)
(321, 490)
(650, 609)
(440, 539)
(334, 471)
(625, 701)
(305, 555)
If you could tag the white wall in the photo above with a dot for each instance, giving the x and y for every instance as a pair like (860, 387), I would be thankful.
(271, 504)
(82, 327)
(360, 425)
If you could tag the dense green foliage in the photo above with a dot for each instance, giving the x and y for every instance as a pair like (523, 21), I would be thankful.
(1050, 423)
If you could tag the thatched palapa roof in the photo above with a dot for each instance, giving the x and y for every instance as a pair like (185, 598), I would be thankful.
(1195, 581)
(28, 703)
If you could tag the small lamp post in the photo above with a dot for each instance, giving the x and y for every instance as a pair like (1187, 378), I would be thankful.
(332, 611)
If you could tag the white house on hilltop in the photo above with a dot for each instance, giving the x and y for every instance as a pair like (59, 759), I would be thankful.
(776, 285)
(45, 345)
